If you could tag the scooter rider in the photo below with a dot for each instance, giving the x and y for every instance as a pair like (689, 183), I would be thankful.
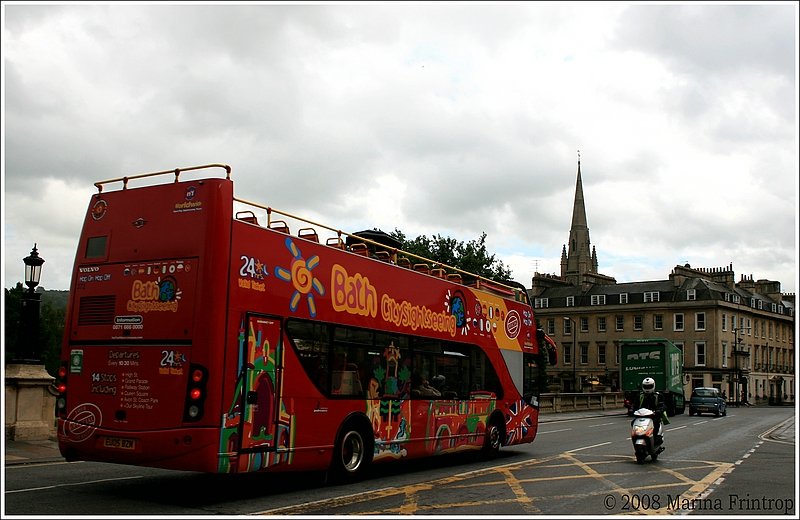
(652, 400)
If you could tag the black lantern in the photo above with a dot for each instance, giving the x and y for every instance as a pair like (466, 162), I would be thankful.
(33, 269)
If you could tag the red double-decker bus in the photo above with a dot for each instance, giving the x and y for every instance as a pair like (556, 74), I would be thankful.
(208, 333)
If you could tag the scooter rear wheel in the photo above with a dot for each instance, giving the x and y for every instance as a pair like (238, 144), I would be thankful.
(640, 457)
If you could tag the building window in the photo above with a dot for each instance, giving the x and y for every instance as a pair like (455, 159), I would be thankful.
(584, 324)
(700, 353)
(651, 296)
(637, 322)
(677, 323)
(541, 303)
(601, 324)
(658, 322)
(568, 354)
(570, 301)
(620, 319)
(567, 327)
(724, 354)
(699, 321)
(551, 326)
(760, 305)
(598, 299)
(727, 297)
(724, 321)
(752, 303)
(774, 307)
(584, 354)
(601, 353)
(691, 294)
(623, 298)
(737, 299)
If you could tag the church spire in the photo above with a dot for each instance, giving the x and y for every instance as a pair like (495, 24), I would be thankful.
(580, 257)
(578, 207)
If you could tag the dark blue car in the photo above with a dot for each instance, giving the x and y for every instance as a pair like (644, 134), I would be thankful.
(707, 400)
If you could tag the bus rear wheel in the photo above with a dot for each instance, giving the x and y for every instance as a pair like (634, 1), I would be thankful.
(352, 452)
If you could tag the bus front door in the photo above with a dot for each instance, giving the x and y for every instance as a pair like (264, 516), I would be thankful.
(263, 363)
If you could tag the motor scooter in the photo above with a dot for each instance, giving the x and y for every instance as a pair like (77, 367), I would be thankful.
(646, 441)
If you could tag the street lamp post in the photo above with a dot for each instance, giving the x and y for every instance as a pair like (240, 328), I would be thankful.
(29, 402)
(574, 332)
(31, 302)
(737, 367)
(765, 360)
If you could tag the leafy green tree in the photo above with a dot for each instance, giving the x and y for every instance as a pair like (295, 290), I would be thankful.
(51, 333)
(13, 321)
(469, 256)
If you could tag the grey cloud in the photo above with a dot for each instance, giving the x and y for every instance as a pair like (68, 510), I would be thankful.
(715, 39)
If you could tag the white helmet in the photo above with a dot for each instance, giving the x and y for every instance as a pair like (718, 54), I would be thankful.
(649, 385)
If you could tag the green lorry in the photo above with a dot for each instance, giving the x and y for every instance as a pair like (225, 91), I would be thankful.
(658, 358)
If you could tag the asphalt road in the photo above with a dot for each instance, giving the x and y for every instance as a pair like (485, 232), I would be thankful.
(577, 466)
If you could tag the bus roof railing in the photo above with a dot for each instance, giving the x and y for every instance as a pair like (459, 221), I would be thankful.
(480, 282)
(177, 172)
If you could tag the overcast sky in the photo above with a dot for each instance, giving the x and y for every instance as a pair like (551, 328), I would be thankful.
(434, 118)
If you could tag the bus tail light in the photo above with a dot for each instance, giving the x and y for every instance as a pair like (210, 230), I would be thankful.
(59, 389)
(195, 393)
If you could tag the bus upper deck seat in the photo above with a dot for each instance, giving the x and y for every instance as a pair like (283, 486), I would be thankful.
(336, 242)
(247, 216)
(308, 234)
(279, 225)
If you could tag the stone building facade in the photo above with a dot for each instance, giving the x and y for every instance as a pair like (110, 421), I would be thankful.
(735, 336)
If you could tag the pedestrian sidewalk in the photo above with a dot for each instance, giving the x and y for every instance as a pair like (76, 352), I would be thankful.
(784, 431)
(29, 452)
(580, 414)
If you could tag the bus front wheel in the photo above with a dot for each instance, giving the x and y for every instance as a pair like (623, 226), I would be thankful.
(353, 452)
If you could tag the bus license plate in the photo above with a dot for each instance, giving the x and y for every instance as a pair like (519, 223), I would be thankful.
(119, 443)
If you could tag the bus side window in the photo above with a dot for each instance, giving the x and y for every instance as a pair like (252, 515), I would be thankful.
(483, 376)
(311, 341)
(388, 365)
(349, 366)
(347, 382)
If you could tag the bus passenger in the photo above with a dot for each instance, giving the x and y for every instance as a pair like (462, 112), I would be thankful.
(423, 388)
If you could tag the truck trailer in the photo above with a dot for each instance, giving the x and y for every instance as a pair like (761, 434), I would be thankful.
(658, 358)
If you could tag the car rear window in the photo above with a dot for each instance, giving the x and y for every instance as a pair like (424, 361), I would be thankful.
(704, 392)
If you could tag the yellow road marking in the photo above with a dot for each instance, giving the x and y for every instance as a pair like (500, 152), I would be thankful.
(413, 505)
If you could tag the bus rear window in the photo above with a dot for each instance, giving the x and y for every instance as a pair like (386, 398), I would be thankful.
(96, 247)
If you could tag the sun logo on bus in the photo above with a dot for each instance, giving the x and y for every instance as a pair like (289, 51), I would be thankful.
(456, 306)
(299, 274)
